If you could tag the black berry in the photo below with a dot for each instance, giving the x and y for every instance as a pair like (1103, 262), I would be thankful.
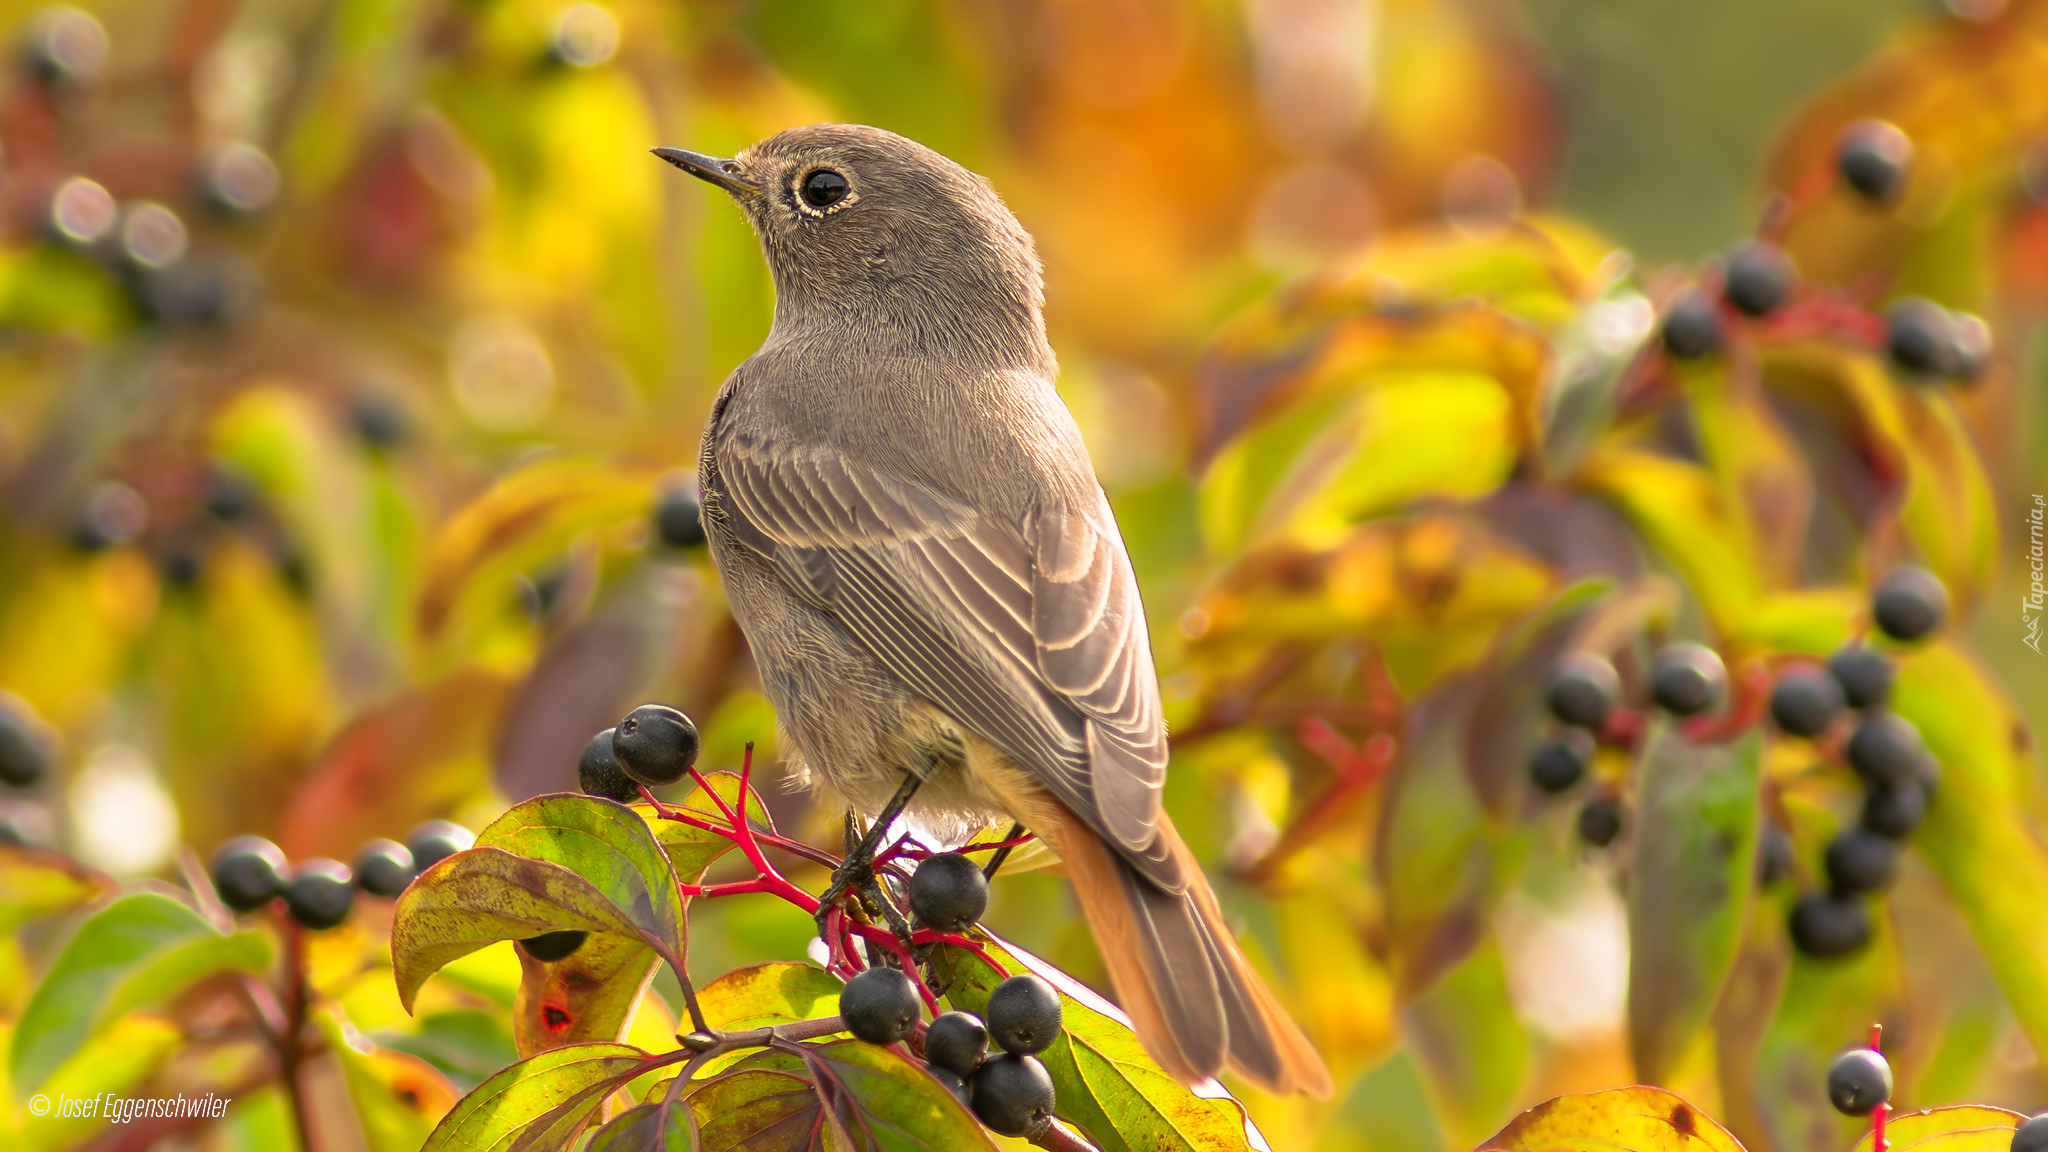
(1885, 749)
(24, 756)
(1921, 337)
(320, 893)
(948, 892)
(1894, 810)
(954, 1082)
(1023, 1015)
(1858, 1081)
(248, 872)
(1859, 861)
(1827, 926)
(1560, 763)
(655, 744)
(384, 868)
(549, 947)
(66, 46)
(1692, 328)
(379, 423)
(1013, 1095)
(1910, 604)
(2031, 1135)
(956, 1042)
(879, 1005)
(1805, 702)
(1583, 688)
(1760, 278)
(1687, 679)
(679, 519)
(598, 772)
(436, 840)
(1600, 821)
(1874, 159)
(1865, 675)
(1776, 860)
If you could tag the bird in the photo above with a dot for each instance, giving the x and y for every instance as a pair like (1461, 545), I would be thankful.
(911, 536)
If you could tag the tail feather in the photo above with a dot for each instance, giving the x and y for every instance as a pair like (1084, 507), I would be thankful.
(1194, 999)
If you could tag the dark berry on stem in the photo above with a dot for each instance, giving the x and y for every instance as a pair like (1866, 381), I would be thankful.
(248, 872)
(1865, 675)
(1687, 679)
(1023, 1015)
(1776, 860)
(1013, 1095)
(1921, 337)
(948, 892)
(655, 744)
(679, 518)
(1895, 810)
(954, 1082)
(1804, 703)
(549, 947)
(1827, 926)
(1561, 762)
(1885, 749)
(1600, 821)
(1874, 159)
(2031, 1135)
(24, 758)
(320, 893)
(1910, 604)
(1861, 861)
(435, 841)
(1858, 1081)
(1692, 328)
(956, 1042)
(384, 868)
(1583, 688)
(1760, 278)
(598, 772)
(879, 1005)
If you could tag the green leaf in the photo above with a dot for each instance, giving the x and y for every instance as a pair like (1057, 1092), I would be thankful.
(35, 882)
(756, 1109)
(1510, 706)
(1976, 834)
(484, 895)
(555, 862)
(1682, 513)
(1472, 1047)
(397, 1097)
(600, 841)
(114, 1061)
(1691, 874)
(656, 1127)
(1957, 1128)
(769, 994)
(495, 1114)
(138, 950)
(873, 1096)
(1105, 1082)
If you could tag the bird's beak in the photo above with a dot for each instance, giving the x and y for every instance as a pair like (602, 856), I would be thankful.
(724, 173)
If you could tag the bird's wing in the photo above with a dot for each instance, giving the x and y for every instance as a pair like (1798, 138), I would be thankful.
(1030, 633)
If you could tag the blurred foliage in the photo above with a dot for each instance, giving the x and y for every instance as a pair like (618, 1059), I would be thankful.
(347, 347)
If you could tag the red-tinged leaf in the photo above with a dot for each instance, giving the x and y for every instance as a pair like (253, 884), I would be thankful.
(1956, 1128)
(591, 994)
(407, 761)
(1510, 710)
(496, 1113)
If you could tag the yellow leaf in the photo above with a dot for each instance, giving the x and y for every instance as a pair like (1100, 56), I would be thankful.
(1639, 1119)
(1959, 1128)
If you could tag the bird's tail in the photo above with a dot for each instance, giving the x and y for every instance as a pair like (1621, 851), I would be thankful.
(1197, 1004)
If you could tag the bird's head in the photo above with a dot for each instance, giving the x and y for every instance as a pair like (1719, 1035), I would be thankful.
(862, 224)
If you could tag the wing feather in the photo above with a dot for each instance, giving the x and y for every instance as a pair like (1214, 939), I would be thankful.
(1029, 632)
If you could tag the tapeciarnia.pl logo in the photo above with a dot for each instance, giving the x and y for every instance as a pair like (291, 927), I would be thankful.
(2037, 595)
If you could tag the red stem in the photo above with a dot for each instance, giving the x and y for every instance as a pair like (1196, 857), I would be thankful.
(1878, 1114)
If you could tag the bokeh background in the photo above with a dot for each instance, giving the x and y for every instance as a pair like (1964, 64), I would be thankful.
(347, 346)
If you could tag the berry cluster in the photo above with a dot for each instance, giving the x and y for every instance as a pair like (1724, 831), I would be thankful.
(654, 746)
(1011, 1092)
(1925, 341)
(25, 749)
(1584, 694)
(249, 872)
(1898, 774)
(1805, 700)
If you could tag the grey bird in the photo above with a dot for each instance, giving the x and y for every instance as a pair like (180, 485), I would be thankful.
(911, 535)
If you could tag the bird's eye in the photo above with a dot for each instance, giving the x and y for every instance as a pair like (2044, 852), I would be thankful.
(824, 188)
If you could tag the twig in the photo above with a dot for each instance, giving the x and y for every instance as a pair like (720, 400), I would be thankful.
(1058, 1138)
